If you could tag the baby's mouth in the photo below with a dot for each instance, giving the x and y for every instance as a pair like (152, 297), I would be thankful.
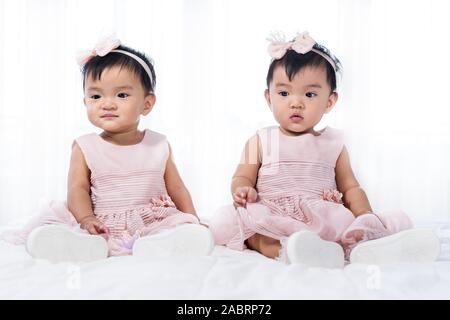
(296, 117)
(109, 115)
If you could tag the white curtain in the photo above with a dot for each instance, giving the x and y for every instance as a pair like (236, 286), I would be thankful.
(211, 62)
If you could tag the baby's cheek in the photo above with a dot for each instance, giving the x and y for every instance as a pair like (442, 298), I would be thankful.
(91, 115)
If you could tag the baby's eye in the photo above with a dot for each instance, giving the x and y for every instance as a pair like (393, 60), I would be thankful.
(95, 96)
(311, 94)
(283, 93)
(123, 95)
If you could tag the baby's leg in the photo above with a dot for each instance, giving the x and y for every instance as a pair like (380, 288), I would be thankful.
(265, 245)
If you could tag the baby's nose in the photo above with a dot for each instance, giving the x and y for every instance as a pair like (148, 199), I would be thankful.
(108, 104)
(297, 104)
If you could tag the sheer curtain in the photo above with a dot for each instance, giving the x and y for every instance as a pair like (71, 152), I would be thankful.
(211, 62)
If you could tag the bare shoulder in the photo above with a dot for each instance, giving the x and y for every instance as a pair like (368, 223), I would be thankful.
(343, 166)
(79, 173)
(77, 154)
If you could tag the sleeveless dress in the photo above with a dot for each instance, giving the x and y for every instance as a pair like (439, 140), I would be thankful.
(297, 190)
(128, 192)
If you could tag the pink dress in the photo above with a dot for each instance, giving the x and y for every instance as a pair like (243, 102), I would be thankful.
(128, 192)
(297, 191)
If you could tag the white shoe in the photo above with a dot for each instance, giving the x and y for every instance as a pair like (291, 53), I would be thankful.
(59, 243)
(308, 248)
(415, 245)
(184, 240)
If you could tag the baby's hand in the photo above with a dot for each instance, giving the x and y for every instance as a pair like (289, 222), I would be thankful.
(244, 195)
(93, 225)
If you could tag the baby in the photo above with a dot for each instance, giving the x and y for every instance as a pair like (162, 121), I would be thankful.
(124, 190)
(295, 195)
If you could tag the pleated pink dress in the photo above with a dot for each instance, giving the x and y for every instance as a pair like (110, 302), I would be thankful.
(128, 192)
(297, 191)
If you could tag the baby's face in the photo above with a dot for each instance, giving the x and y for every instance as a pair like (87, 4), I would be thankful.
(116, 101)
(298, 105)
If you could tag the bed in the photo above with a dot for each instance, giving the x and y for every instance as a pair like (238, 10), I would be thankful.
(226, 274)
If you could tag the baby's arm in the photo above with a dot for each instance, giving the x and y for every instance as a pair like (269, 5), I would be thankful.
(78, 197)
(176, 188)
(355, 198)
(245, 177)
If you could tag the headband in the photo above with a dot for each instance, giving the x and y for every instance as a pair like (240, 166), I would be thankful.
(105, 46)
(302, 44)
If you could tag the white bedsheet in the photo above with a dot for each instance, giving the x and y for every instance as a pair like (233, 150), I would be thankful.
(226, 274)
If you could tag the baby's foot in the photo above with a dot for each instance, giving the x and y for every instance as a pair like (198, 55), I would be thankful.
(308, 248)
(58, 243)
(415, 245)
(184, 240)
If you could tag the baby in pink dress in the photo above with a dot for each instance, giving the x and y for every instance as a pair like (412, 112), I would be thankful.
(125, 195)
(295, 195)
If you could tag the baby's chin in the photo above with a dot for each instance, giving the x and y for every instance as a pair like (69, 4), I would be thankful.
(111, 125)
(109, 129)
(293, 131)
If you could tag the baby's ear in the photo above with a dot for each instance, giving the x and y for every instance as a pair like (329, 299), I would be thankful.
(332, 99)
(149, 102)
(267, 96)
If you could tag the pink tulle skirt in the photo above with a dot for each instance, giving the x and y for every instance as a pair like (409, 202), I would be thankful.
(330, 220)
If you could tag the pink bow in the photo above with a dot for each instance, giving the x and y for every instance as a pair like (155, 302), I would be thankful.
(102, 48)
(162, 201)
(278, 47)
(332, 195)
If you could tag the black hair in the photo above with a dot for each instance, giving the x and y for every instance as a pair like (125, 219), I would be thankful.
(293, 62)
(95, 67)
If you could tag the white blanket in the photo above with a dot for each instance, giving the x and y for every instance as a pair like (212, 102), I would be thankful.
(226, 274)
